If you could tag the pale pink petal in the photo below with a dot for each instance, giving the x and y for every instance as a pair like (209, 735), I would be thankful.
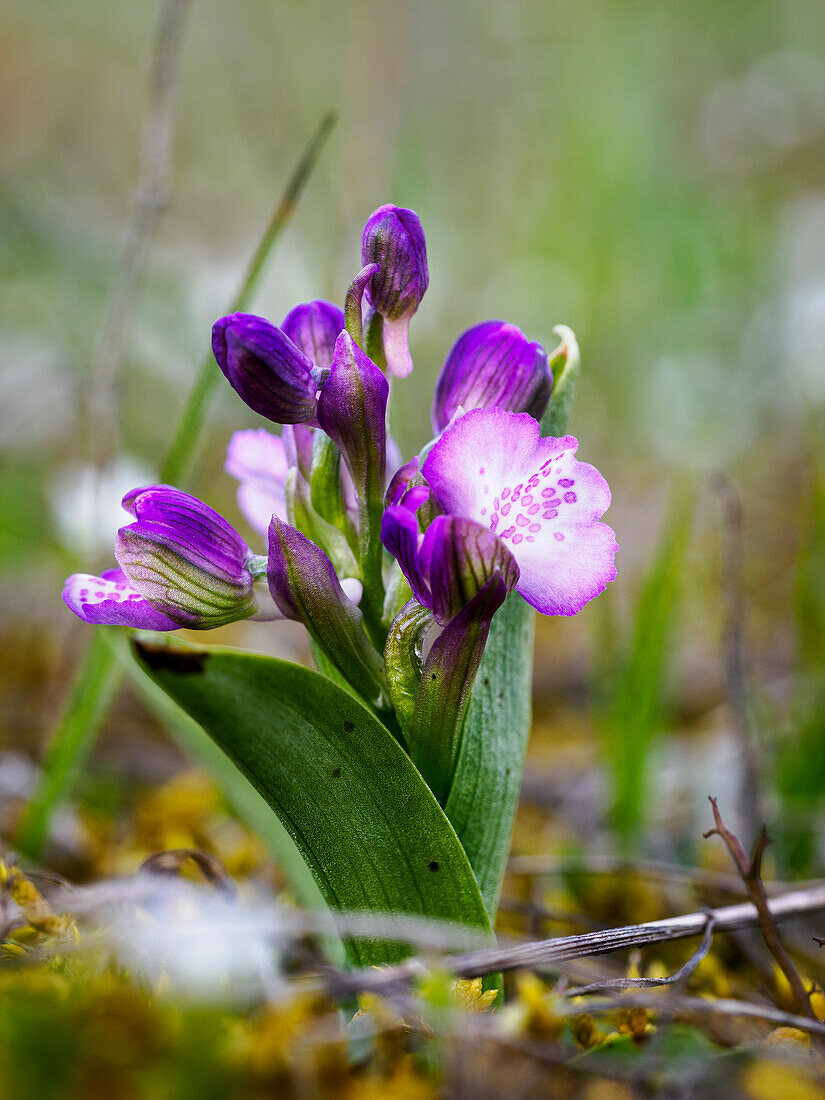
(257, 459)
(494, 467)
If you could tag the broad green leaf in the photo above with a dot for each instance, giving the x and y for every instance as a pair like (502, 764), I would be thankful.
(362, 817)
(484, 795)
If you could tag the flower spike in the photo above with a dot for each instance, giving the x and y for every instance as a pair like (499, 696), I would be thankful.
(265, 368)
(393, 238)
(493, 365)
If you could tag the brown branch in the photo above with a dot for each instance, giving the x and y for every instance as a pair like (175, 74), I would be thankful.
(680, 975)
(544, 953)
(750, 869)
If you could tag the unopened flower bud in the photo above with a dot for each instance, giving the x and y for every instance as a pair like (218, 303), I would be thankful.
(265, 368)
(393, 238)
(493, 365)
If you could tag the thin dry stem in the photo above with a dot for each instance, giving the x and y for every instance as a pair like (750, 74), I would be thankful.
(750, 868)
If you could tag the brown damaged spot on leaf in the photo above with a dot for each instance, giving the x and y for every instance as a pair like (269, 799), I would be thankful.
(183, 662)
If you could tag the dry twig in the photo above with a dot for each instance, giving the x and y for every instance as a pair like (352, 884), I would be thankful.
(749, 868)
(544, 953)
(681, 975)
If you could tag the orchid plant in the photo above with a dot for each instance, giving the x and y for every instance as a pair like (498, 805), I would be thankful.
(394, 767)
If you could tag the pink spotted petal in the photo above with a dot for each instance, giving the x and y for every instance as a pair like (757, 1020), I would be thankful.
(110, 601)
(258, 460)
(545, 505)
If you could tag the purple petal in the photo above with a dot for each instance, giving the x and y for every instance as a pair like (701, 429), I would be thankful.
(545, 505)
(185, 559)
(313, 327)
(265, 368)
(109, 601)
(192, 526)
(257, 458)
(399, 533)
(493, 365)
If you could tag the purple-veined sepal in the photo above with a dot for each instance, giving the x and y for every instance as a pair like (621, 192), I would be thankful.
(444, 691)
(185, 559)
(493, 365)
(305, 587)
(265, 368)
(393, 239)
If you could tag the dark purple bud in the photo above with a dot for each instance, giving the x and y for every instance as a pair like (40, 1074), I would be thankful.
(493, 365)
(305, 587)
(459, 556)
(265, 368)
(313, 327)
(393, 238)
(352, 410)
(185, 559)
(453, 561)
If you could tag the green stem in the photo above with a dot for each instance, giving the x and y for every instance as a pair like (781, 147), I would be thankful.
(98, 676)
(91, 695)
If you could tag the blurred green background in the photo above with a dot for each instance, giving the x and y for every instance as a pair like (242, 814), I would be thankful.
(651, 174)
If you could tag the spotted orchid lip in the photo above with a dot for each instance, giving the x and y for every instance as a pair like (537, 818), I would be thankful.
(492, 466)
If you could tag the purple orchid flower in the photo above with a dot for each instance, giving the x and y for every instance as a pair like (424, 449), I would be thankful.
(313, 327)
(181, 565)
(493, 365)
(393, 238)
(265, 368)
(492, 466)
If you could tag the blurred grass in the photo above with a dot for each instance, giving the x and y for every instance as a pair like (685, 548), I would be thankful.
(631, 682)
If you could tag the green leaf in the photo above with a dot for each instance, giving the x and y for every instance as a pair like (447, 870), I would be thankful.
(484, 795)
(362, 817)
